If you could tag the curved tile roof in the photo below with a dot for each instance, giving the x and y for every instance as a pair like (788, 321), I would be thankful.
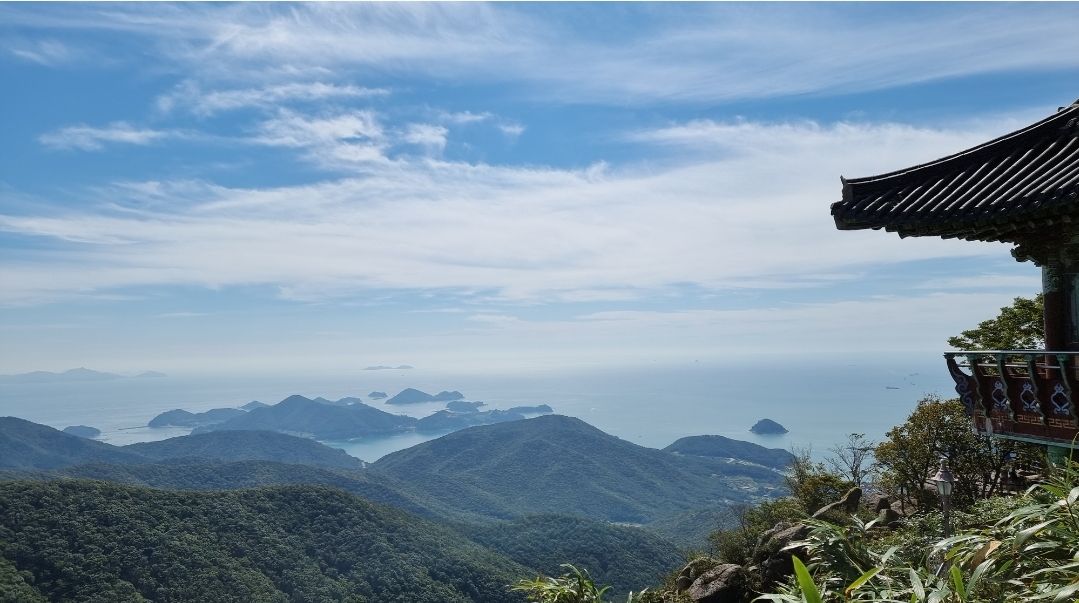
(1001, 190)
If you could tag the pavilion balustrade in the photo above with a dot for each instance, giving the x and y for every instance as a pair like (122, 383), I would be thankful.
(1026, 393)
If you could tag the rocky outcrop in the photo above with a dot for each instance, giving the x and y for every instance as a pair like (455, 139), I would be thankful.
(842, 507)
(771, 555)
(724, 583)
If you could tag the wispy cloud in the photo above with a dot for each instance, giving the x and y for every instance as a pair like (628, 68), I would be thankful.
(92, 138)
(46, 52)
(700, 53)
(717, 221)
(191, 97)
(429, 136)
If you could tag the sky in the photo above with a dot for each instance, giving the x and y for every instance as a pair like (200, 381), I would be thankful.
(313, 188)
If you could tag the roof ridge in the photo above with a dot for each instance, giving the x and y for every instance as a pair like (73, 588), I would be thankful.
(1059, 116)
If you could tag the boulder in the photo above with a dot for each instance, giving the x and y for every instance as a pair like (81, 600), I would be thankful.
(844, 506)
(693, 570)
(771, 555)
(724, 583)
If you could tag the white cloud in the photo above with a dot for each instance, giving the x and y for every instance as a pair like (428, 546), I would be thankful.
(346, 139)
(90, 138)
(702, 53)
(429, 136)
(464, 117)
(191, 97)
(753, 213)
(46, 52)
(513, 130)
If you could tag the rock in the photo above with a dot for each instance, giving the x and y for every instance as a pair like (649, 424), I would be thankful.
(773, 561)
(693, 570)
(768, 427)
(724, 583)
(846, 505)
(886, 515)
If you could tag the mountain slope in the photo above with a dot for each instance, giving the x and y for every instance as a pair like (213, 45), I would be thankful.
(557, 464)
(81, 540)
(27, 445)
(298, 415)
(624, 557)
(718, 446)
(247, 445)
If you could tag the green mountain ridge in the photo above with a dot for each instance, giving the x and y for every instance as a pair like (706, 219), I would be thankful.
(97, 541)
(558, 464)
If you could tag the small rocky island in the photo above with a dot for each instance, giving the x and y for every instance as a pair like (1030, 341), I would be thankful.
(83, 431)
(768, 427)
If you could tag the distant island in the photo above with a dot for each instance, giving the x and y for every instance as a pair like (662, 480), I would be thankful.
(768, 427)
(76, 375)
(82, 431)
(716, 446)
(382, 367)
(415, 396)
(463, 406)
(252, 405)
(377, 395)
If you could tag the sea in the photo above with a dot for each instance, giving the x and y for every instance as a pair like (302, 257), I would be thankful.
(820, 399)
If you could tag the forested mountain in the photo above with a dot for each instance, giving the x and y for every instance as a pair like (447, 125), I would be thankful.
(298, 415)
(627, 558)
(83, 540)
(557, 464)
(26, 445)
(247, 445)
(30, 446)
(718, 446)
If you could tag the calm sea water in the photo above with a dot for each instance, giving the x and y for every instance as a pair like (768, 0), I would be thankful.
(820, 400)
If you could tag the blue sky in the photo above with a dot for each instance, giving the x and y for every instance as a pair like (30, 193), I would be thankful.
(247, 188)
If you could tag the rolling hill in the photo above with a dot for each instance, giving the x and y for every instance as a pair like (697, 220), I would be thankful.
(717, 446)
(247, 445)
(558, 464)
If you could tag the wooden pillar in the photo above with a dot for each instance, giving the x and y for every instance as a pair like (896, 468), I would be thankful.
(1056, 310)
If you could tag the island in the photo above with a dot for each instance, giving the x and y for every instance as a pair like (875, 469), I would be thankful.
(377, 395)
(768, 427)
(463, 406)
(539, 409)
(415, 396)
(183, 418)
(83, 431)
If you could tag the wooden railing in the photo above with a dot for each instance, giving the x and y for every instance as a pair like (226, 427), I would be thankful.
(1021, 392)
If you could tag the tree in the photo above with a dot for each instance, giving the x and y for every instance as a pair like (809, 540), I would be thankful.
(1019, 326)
(937, 429)
(811, 483)
(854, 459)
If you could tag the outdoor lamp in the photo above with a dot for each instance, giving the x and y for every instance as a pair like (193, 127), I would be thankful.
(945, 481)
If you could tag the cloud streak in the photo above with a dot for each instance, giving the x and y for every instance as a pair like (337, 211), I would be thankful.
(741, 216)
(701, 53)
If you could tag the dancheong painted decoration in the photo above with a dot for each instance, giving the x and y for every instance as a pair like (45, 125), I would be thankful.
(1023, 189)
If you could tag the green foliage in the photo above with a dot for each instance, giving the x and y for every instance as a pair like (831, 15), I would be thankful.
(812, 484)
(939, 429)
(1019, 326)
(574, 586)
(93, 541)
(1029, 554)
(736, 544)
(626, 557)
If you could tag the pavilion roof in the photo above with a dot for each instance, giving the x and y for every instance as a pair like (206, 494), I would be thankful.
(1003, 190)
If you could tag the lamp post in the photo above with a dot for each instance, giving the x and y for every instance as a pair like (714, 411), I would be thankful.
(945, 481)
